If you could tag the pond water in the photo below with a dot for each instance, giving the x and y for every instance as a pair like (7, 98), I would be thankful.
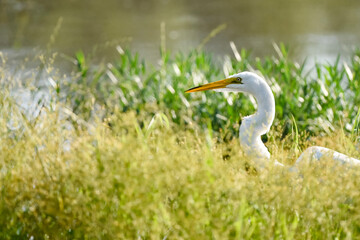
(319, 29)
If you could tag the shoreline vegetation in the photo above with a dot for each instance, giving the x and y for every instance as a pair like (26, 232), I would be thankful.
(117, 150)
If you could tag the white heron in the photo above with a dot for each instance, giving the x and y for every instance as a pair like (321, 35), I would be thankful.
(252, 127)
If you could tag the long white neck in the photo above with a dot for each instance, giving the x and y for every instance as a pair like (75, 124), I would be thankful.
(254, 126)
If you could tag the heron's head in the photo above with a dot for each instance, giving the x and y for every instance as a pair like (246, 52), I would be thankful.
(240, 82)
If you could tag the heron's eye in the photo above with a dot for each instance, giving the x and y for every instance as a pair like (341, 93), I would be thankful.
(238, 80)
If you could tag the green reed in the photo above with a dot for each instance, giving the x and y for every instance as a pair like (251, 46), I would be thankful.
(319, 98)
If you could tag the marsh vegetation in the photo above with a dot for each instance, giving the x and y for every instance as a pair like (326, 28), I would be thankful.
(117, 150)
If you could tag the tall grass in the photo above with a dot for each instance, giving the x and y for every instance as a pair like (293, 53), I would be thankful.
(118, 182)
(118, 151)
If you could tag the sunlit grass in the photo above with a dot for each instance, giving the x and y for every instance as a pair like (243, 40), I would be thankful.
(118, 182)
(118, 151)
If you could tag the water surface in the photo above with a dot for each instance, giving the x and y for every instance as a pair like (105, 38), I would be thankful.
(317, 29)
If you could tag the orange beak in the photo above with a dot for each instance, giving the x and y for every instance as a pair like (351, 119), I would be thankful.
(214, 85)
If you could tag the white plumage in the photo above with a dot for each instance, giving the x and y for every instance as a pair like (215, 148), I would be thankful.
(254, 126)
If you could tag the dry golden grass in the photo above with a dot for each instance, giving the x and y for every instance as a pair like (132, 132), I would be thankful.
(160, 181)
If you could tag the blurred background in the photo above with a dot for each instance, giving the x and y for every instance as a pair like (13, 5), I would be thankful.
(319, 29)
